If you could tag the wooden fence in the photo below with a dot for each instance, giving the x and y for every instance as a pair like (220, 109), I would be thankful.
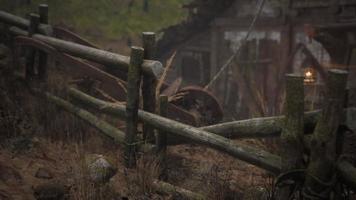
(294, 128)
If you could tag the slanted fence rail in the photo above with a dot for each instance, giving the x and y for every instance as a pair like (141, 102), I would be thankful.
(141, 68)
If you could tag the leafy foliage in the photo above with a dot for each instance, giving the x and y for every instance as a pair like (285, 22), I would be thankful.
(113, 18)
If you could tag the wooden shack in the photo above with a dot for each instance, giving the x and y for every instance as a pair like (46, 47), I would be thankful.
(295, 36)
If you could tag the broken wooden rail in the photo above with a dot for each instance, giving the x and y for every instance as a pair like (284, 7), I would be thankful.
(119, 111)
(251, 155)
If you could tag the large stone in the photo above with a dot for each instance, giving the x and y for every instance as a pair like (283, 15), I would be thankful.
(100, 168)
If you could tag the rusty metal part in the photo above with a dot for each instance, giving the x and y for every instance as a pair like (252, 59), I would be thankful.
(79, 69)
(201, 103)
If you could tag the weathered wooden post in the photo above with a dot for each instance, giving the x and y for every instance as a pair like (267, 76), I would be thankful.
(149, 83)
(133, 97)
(30, 55)
(161, 140)
(321, 172)
(293, 130)
(42, 59)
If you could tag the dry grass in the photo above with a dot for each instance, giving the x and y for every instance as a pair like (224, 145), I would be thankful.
(140, 182)
(219, 184)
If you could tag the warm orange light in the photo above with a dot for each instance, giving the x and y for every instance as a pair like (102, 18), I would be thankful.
(309, 75)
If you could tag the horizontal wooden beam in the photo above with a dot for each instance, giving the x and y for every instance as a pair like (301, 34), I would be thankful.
(149, 67)
(14, 20)
(245, 153)
(152, 68)
(101, 125)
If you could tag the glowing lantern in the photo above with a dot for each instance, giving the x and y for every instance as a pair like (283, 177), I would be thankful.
(309, 75)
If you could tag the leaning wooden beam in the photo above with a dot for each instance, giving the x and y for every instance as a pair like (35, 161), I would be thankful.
(258, 127)
(248, 154)
(149, 67)
(14, 20)
(117, 135)
(166, 188)
(323, 156)
(101, 125)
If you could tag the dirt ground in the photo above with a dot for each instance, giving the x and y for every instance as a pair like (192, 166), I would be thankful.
(189, 166)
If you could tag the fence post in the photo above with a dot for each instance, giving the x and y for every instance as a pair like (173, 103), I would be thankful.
(30, 55)
(320, 174)
(293, 130)
(133, 96)
(161, 140)
(42, 60)
(149, 84)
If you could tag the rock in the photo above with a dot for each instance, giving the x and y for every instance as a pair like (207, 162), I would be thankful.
(50, 191)
(43, 173)
(100, 168)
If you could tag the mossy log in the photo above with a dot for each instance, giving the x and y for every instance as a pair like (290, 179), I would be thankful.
(259, 127)
(321, 169)
(149, 67)
(245, 153)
